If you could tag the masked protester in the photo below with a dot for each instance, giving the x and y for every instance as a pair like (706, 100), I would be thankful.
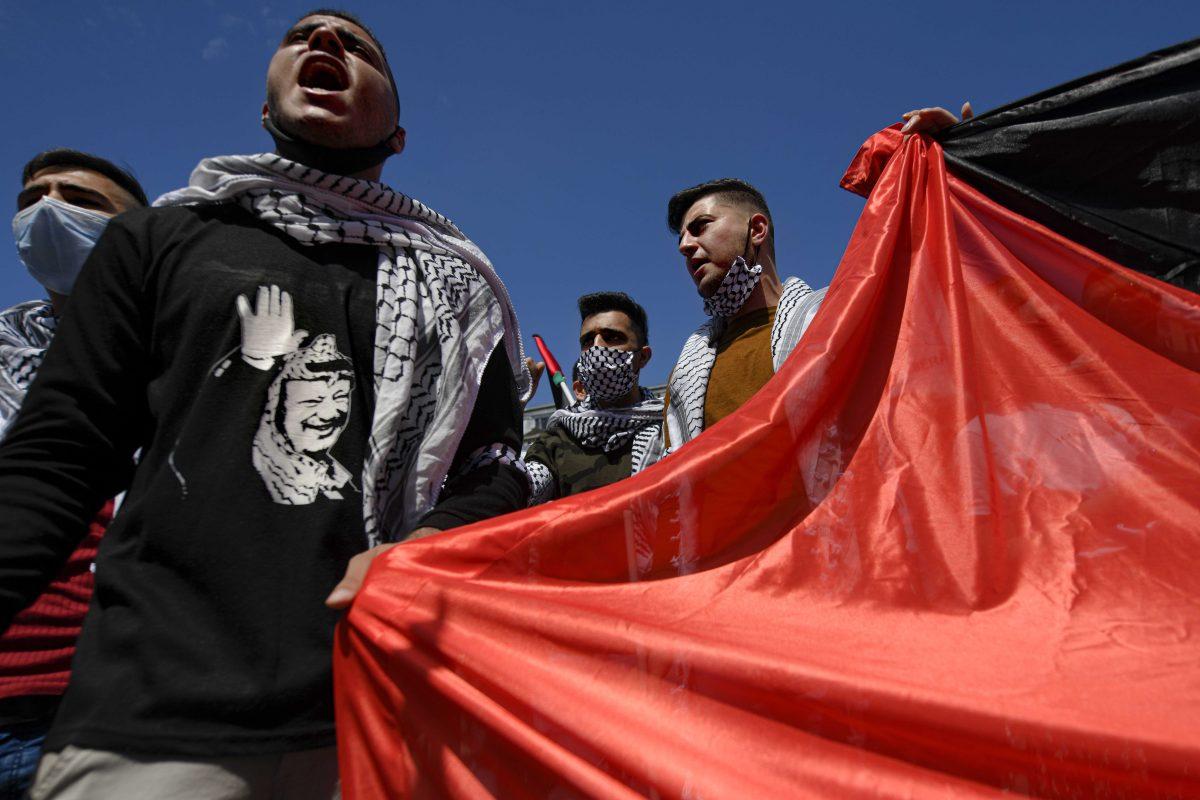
(726, 236)
(66, 200)
(311, 364)
(606, 436)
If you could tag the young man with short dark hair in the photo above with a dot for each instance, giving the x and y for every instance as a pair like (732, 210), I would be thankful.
(726, 234)
(727, 238)
(310, 363)
(607, 436)
(66, 200)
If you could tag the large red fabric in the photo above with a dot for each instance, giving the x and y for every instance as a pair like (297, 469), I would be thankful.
(951, 550)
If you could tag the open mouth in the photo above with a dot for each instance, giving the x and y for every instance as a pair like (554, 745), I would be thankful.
(321, 428)
(322, 75)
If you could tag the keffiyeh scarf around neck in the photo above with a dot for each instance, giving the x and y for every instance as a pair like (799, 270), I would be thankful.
(688, 384)
(25, 332)
(440, 312)
(608, 428)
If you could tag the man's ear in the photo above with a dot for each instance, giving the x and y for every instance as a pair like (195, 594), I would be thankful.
(644, 357)
(265, 112)
(760, 227)
(399, 137)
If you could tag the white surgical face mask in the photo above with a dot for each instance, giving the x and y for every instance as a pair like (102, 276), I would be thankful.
(607, 373)
(54, 239)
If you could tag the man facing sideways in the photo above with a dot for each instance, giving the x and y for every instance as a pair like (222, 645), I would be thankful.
(727, 238)
(66, 200)
(310, 363)
(606, 436)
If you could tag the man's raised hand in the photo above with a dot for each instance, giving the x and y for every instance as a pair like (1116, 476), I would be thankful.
(269, 329)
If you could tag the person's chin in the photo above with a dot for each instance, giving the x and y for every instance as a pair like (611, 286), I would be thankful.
(329, 125)
(709, 285)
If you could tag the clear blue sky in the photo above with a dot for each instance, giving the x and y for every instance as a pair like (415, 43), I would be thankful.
(554, 132)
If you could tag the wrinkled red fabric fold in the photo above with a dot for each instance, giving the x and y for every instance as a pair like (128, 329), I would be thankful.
(950, 550)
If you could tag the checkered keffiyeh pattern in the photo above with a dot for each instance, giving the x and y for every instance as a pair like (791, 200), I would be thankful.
(607, 373)
(608, 428)
(688, 384)
(604, 428)
(735, 289)
(25, 332)
(441, 311)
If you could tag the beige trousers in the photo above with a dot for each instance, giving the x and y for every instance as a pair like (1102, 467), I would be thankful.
(80, 774)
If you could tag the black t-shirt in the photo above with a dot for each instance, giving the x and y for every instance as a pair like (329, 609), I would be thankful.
(208, 634)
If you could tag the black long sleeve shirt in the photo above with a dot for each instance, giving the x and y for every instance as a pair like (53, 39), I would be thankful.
(207, 633)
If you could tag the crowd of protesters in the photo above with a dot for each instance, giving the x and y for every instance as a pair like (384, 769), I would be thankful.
(231, 401)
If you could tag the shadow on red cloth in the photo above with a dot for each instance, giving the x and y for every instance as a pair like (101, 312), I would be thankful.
(950, 550)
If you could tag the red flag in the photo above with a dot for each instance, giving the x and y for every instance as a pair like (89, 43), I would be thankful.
(951, 550)
(563, 396)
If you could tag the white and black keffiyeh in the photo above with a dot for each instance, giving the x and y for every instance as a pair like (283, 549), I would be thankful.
(607, 373)
(25, 332)
(440, 312)
(688, 384)
(608, 429)
(735, 289)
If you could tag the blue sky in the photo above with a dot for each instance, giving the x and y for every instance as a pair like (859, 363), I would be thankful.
(554, 132)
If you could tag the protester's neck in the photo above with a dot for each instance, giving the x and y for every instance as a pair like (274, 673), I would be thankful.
(630, 399)
(369, 174)
(58, 303)
(766, 294)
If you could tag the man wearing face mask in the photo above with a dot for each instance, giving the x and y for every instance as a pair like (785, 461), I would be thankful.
(311, 364)
(66, 199)
(728, 239)
(605, 437)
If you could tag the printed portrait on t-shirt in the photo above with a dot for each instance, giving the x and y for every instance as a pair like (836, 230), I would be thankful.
(308, 406)
(285, 399)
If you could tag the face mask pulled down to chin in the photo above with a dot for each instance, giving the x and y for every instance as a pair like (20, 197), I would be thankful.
(54, 239)
(738, 283)
(735, 289)
(607, 373)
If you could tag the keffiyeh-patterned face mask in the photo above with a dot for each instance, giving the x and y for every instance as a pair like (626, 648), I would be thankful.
(734, 290)
(607, 373)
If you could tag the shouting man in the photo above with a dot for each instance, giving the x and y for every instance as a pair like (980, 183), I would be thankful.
(370, 393)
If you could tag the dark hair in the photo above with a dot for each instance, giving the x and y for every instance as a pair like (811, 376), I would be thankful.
(731, 189)
(66, 157)
(353, 18)
(599, 302)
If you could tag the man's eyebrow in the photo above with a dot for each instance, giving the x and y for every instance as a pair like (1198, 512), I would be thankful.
(75, 188)
(32, 191)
